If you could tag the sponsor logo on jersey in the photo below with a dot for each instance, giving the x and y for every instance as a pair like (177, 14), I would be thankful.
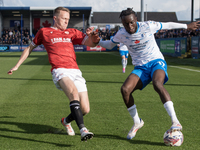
(136, 42)
(143, 35)
(66, 32)
(57, 40)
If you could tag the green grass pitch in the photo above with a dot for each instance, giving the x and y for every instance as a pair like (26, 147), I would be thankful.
(31, 107)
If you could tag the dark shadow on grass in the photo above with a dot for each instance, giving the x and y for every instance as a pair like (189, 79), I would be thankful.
(7, 117)
(104, 81)
(29, 128)
(18, 56)
(179, 84)
(27, 139)
(184, 62)
(182, 85)
(149, 83)
(83, 58)
(32, 128)
(26, 79)
(144, 142)
(94, 81)
(51, 80)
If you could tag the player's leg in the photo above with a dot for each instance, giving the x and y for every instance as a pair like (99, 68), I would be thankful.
(126, 62)
(71, 92)
(123, 63)
(122, 54)
(57, 75)
(132, 83)
(83, 97)
(126, 57)
(159, 77)
(85, 107)
(84, 102)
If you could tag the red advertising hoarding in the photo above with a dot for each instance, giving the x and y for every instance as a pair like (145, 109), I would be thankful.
(97, 48)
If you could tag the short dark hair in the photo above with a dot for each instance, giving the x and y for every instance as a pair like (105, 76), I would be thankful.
(127, 12)
(58, 9)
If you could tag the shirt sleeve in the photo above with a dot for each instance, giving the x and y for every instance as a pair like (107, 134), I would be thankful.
(154, 26)
(173, 25)
(107, 44)
(116, 38)
(78, 38)
(38, 38)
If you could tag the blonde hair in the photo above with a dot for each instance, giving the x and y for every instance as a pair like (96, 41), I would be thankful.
(58, 9)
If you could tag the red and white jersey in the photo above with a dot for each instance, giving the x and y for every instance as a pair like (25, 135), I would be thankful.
(59, 45)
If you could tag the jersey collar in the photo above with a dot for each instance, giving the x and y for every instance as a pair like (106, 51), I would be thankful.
(137, 27)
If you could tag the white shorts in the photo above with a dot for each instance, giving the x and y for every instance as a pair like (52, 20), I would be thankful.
(74, 74)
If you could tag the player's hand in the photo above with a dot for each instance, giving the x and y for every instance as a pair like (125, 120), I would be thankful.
(93, 34)
(89, 31)
(95, 37)
(193, 25)
(11, 70)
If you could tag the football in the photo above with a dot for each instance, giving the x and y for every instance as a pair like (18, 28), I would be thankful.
(174, 138)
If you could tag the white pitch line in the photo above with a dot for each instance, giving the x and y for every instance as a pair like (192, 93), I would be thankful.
(184, 68)
(168, 65)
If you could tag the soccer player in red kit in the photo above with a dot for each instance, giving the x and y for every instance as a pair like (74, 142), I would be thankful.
(59, 41)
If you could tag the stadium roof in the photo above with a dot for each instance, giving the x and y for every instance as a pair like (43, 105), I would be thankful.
(106, 17)
(159, 16)
(113, 17)
(42, 11)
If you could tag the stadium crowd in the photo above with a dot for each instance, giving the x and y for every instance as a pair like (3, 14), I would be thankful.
(106, 34)
(13, 37)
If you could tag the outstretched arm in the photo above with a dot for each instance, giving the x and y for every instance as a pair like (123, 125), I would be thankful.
(107, 44)
(93, 37)
(193, 25)
(173, 25)
(23, 57)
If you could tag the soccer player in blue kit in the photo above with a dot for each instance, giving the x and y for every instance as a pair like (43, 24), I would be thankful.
(149, 63)
(123, 50)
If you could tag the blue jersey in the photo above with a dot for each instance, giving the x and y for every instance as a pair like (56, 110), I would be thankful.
(142, 45)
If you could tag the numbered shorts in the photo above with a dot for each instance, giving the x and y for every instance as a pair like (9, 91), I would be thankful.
(124, 53)
(145, 72)
(74, 74)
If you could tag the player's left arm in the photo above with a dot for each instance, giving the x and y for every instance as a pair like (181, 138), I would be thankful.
(193, 25)
(92, 38)
(173, 25)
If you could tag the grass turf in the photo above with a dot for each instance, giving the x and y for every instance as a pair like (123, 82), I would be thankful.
(31, 107)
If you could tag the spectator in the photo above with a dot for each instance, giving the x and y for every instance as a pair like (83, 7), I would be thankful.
(10, 33)
(13, 36)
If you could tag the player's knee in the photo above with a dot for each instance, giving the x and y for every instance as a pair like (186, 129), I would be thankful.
(124, 90)
(86, 111)
(157, 85)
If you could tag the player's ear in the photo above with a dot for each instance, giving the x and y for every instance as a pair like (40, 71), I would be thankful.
(54, 18)
(135, 18)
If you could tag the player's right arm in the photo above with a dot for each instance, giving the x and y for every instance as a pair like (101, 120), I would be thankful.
(23, 57)
(107, 44)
